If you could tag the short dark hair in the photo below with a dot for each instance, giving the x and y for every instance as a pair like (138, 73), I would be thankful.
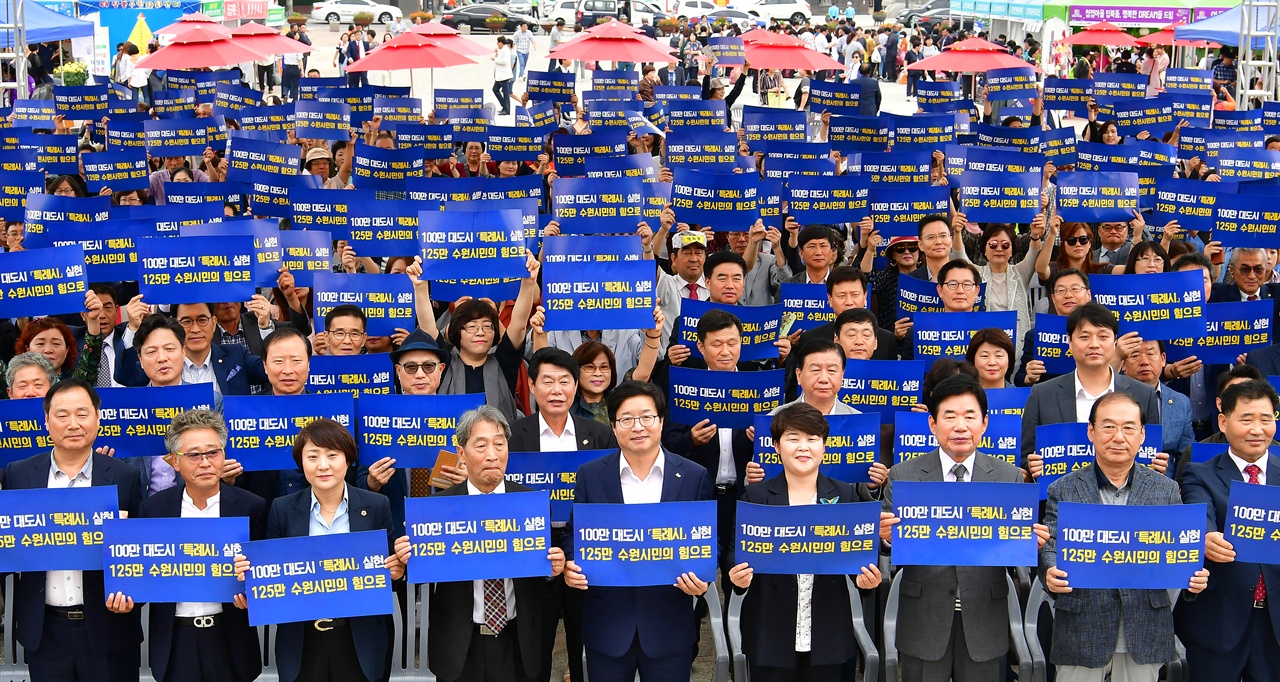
(326, 433)
(1095, 314)
(466, 312)
(1068, 272)
(958, 264)
(282, 334)
(1195, 258)
(70, 385)
(154, 323)
(929, 220)
(556, 358)
(1143, 248)
(102, 288)
(996, 337)
(719, 258)
(1113, 397)
(942, 369)
(853, 315)
(953, 386)
(811, 232)
(846, 273)
(632, 389)
(1248, 390)
(1248, 372)
(801, 417)
(818, 346)
(345, 310)
(716, 320)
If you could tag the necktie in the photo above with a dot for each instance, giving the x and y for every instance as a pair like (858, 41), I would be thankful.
(495, 604)
(693, 291)
(1252, 297)
(958, 471)
(1259, 590)
(104, 370)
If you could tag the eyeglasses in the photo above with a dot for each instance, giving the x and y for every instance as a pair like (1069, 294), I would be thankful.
(411, 368)
(999, 246)
(934, 237)
(1255, 269)
(1149, 259)
(956, 284)
(195, 457)
(343, 335)
(188, 322)
(1073, 289)
(646, 420)
(904, 248)
(1076, 241)
(1129, 430)
(474, 328)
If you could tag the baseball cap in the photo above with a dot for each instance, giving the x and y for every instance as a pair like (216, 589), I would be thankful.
(681, 240)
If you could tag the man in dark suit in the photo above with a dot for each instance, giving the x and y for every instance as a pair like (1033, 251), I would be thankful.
(249, 328)
(630, 629)
(113, 345)
(957, 616)
(553, 383)
(1190, 376)
(191, 640)
(1267, 360)
(1231, 630)
(61, 617)
(869, 97)
(487, 629)
(1092, 332)
(1146, 364)
(357, 48)
(231, 368)
(847, 289)
(1090, 624)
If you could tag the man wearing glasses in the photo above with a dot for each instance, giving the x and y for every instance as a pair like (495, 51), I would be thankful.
(1248, 268)
(230, 368)
(958, 286)
(344, 330)
(1117, 240)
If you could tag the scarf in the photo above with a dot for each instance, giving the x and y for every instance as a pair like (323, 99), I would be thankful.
(497, 392)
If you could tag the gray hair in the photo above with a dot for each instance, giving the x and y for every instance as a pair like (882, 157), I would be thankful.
(30, 359)
(485, 413)
(191, 420)
(1237, 253)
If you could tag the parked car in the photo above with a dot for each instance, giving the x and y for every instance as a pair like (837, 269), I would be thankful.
(741, 19)
(561, 9)
(587, 13)
(476, 16)
(692, 9)
(642, 9)
(342, 11)
(794, 11)
(906, 16)
(942, 16)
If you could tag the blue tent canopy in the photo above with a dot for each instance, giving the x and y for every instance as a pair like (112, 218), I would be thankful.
(44, 25)
(1223, 28)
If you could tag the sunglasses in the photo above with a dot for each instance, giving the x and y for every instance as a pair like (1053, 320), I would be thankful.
(999, 246)
(1075, 241)
(904, 248)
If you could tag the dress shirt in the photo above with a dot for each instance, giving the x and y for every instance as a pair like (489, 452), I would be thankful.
(1110, 494)
(163, 476)
(1241, 464)
(201, 373)
(477, 586)
(1257, 295)
(548, 441)
(804, 606)
(636, 491)
(1084, 401)
(948, 462)
(726, 471)
(66, 588)
(212, 510)
(341, 522)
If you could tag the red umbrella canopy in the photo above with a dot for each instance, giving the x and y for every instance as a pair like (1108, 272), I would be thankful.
(754, 35)
(614, 42)
(1101, 33)
(408, 54)
(612, 26)
(267, 40)
(973, 55)
(786, 56)
(199, 48)
(432, 28)
(763, 37)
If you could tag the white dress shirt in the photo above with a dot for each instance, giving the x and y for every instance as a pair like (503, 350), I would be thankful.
(1085, 401)
(948, 462)
(1241, 464)
(212, 510)
(726, 470)
(477, 586)
(647, 491)
(66, 588)
(548, 441)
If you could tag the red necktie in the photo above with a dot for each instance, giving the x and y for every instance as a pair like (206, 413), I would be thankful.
(693, 290)
(1259, 590)
(1252, 297)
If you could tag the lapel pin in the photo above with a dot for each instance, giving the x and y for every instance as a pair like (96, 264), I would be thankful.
(584, 440)
(364, 512)
(677, 474)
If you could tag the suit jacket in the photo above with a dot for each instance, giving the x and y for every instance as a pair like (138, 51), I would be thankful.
(869, 101)
(1218, 618)
(1054, 402)
(252, 337)
(117, 342)
(246, 654)
(1175, 424)
(353, 49)
(450, 627)
(108, 632)
(591, 435)
(662, 616)
(290, 517)
(1086, 626)
(1267, 360)
(235, 370)
(1029, 354)
(886, 349)
(678, 438)
(928, 593)
(769, 607)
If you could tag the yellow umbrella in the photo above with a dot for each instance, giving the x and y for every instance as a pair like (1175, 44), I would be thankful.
(140, 36)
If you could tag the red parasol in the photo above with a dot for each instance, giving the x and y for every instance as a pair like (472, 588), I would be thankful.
(754, 35)
(188, 22)
(1101, 33)
(614, 42)
(198, 48)
(1165, 36)
(449, 38)
(409, 51)
(789, 57)
(973, 55)
(267, 40)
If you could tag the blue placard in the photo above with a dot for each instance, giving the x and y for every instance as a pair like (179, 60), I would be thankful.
(554, 472)
(40, 282)
(304, 254)
(1023, 139)
(545, 86)
(229, 99)
(816, 539)
(1003, 437)
(762, 126)
(896, 211)
(759, 327)
(134, 421)
(975, 524)
(48, 529)
(470, 125)
(925, 132)
(412, 429)
(1252, 525)
(637, 166)
(173, 559)
(605, 113)
(589, 206)
(33, 113)
(200, 83)
(203, 193)
(838, 99)
(670, 92)
(168, 222)
(459, 244)
(14, 188)
(725, 200)
(1195, 109)
(50, 212)
(1093, 197)
(267, 257)
(444, 100)
(56, 154)
(946, 335)
(850, 449)
(315, 577)
(1105, 546)
(1068, 94)
(1007, 401)
(1190, 202)
(804, 307)
(570, 152)
(397, 111)
(912, 437)
(707, 148)
(1248, 164)
(1052, 346)
(20, 161)
(850, 134)
(1165, 305)
(585, 276)
(81, 102)
(1000, 197)
(961, 159)
(1014, 83)
(1231, 329)
(277, 120)
(358, 100)
(921, 296)
(106, 259)
(183, 269)
(1108, 87)
(261, 428)
(308, 87)
(1188, 80)
(541, 117)
(176, 137)
(896, 167)
(121, 171)
(385, 169)
(355, 375)
(938, 96)
(836, 199)
(436, 141)
(514, 144)
(387, 300)
(1154, 115)
(882, 386)
(728, 51)
(327, 209)
(1059, 146)
(23, 432)
(617, 80)
(728, 399)
(697, 114)
(475, 537)
(1065, 448)
(1243, 121)
(657, 542)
